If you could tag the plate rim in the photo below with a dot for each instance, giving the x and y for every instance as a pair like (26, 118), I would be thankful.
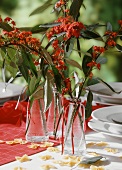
(100, 131)
(107, 110)
(96, 92)
(11, 86)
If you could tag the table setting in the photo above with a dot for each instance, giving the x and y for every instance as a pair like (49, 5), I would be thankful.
(66, 117)
(101, 133)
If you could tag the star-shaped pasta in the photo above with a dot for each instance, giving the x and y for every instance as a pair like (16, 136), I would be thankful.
(113, 150)
(46, 144)
(24, 158)
(19, 168)
(48, 167)
(53, 149)
(46, 157)
(92, 167)
(33, 146)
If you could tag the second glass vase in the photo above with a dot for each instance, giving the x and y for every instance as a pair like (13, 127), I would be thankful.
(74, 137)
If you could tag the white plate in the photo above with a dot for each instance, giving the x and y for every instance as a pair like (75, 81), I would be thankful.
(107, 115)
(103, 92)
(102, 127)
(98, 100)
(12, 92)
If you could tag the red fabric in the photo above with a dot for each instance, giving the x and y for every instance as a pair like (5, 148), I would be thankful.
(8, 152)
(10, 114)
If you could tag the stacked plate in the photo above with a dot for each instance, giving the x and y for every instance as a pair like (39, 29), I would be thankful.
(107, 120)
(103, 95)
(12, 92)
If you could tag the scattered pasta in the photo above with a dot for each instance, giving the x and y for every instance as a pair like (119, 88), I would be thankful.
(46, 144)
(53, 149)
(19, 168)
(48, 167)
(16, 141)
(113, 150)
(24, 158)
(90, 144)
(101, 144)
(33, 146)
(92, 167)
(46, 157)
(93, 153)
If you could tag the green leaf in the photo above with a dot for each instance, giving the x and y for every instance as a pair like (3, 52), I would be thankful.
(39, 93)
(90, 35)
(91, 160)
(6, 26)
(109, 26)
(94, 26)
(101, 60)
(46, 56)
(78, 47)
(28, 62)
(75, 8)
(50, 25)
(106, 84)
(32, 84)
(48, 94)
(88, 107)
(119, 47)
(116, 121)
(73, 63)
(35, 29)
(24, 71)
(41, 8)
(57, 78)
(86, 60)
(69, 46)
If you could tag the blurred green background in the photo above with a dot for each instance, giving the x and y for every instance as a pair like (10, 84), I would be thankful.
(97, 11)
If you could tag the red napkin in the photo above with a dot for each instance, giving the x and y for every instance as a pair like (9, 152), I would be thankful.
(12, 115)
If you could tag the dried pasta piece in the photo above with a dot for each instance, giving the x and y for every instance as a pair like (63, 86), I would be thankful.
(60, 162)
(24, 158)
(48, 167)
(53, 149)
(33, 146)
(46, 144)
(101, 144)
(90, 144)
(23, 142)
(1, 141)
(93, 153)
(72, 163)
(113, 150)
(18, 140)
(19, 168)
(92, 167)
(84, 165)
(46, 157)
(70, 158)
(10, 142)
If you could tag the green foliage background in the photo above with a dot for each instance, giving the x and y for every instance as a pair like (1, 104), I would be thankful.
(94, 11)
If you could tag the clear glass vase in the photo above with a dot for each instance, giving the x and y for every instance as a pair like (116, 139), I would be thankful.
(36, 130)
(74, 136)
(53, 119)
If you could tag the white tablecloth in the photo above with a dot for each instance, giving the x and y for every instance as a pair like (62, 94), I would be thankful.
(113, 160)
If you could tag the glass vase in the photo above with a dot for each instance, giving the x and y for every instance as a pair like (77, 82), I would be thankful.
(74, 136)
(54, 115)
(36, 130)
